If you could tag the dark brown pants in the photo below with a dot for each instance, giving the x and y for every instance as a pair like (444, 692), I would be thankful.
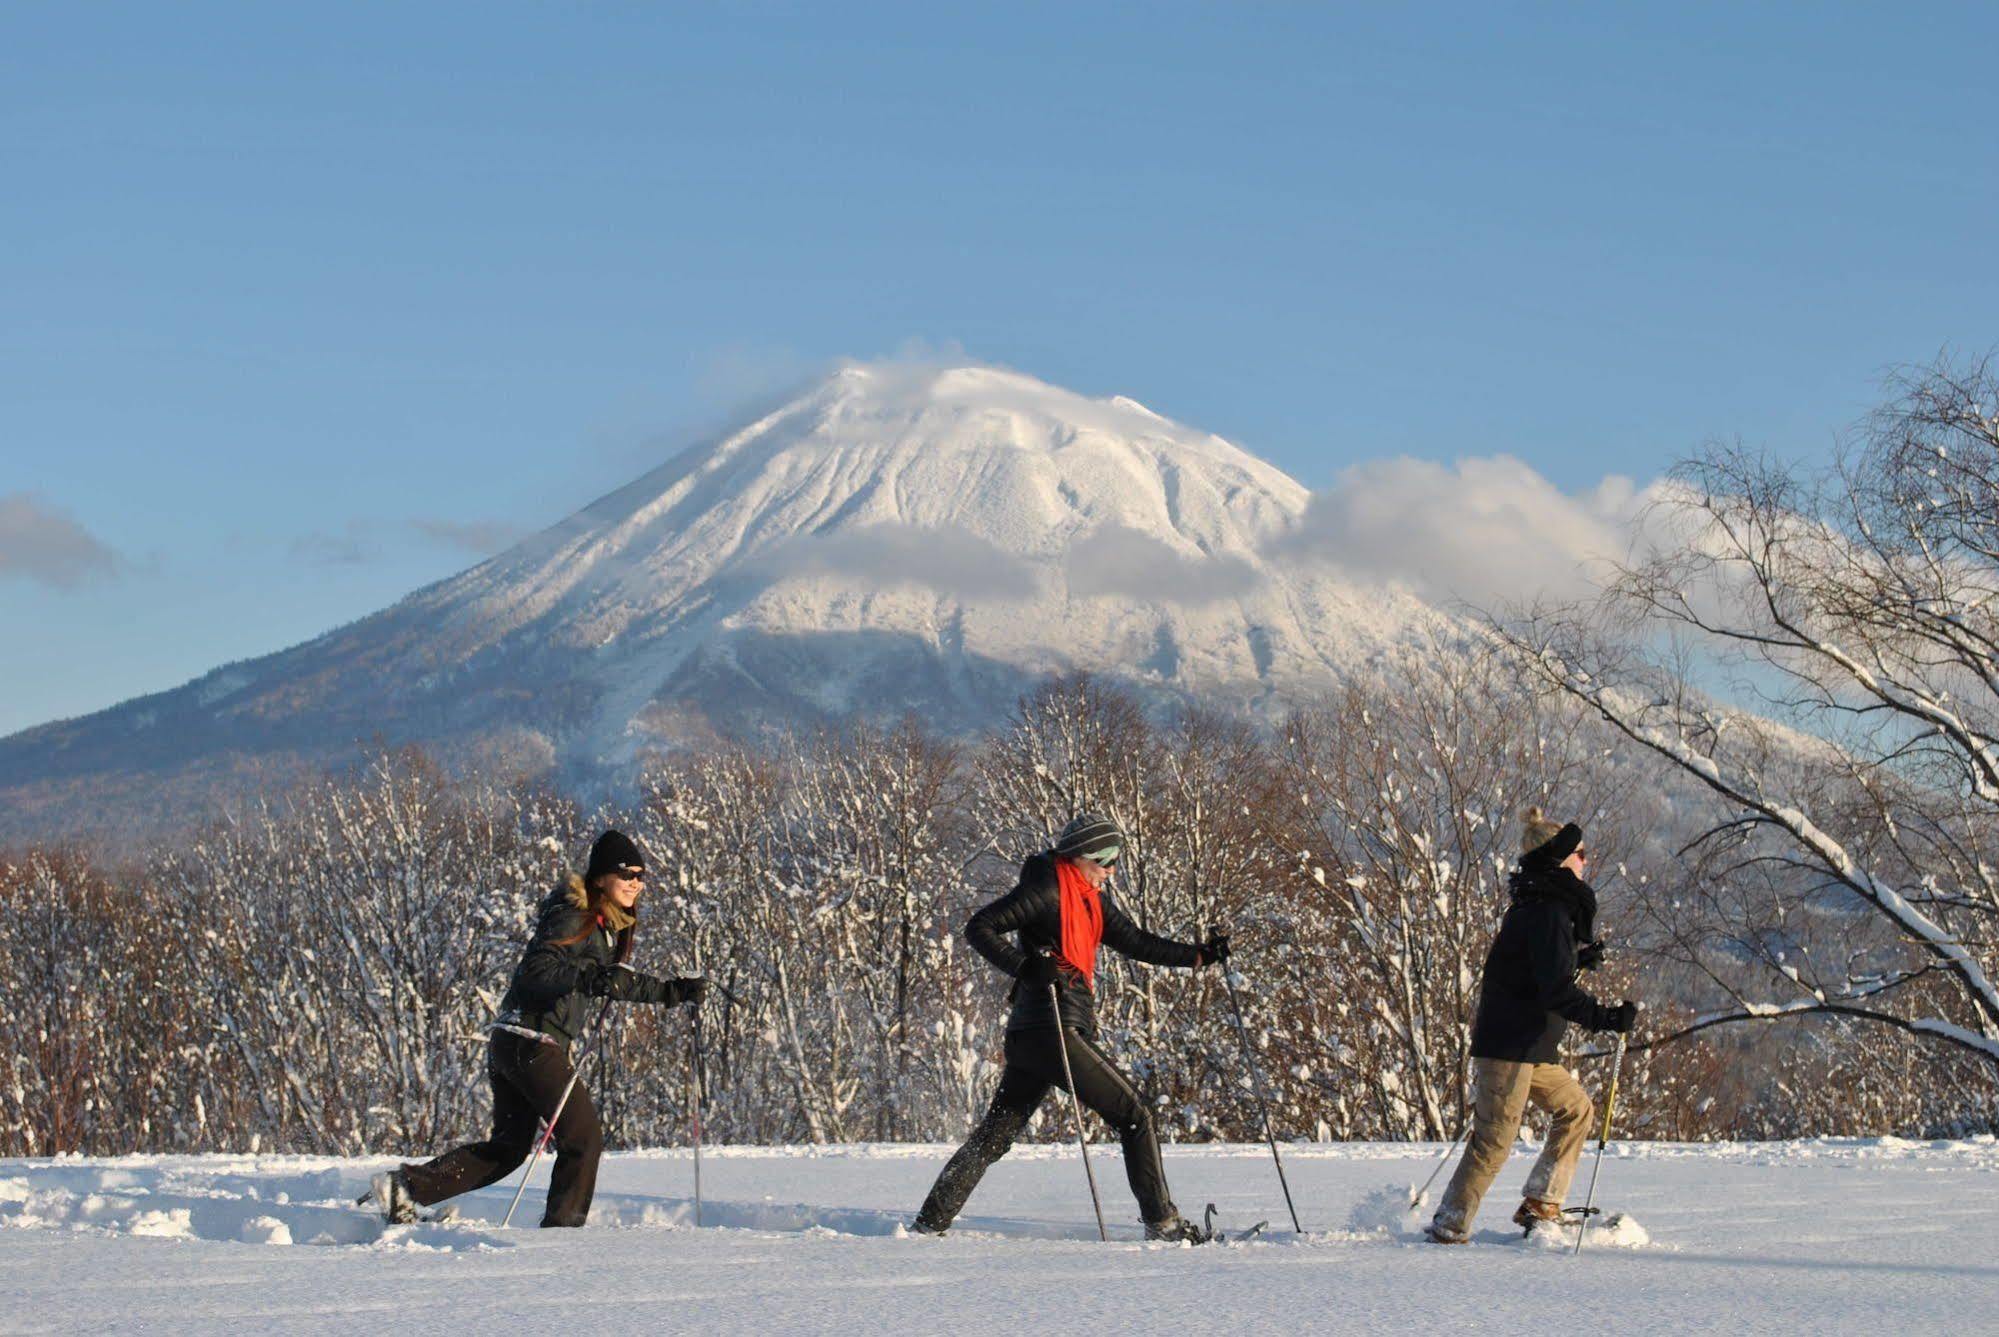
(528, 1079)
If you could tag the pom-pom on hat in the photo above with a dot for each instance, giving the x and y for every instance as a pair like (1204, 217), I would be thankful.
(1544, 840)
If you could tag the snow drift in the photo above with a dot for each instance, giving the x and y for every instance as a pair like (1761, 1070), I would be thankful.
(1845, 1236)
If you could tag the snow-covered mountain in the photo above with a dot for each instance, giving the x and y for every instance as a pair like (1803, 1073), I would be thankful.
(895, 539)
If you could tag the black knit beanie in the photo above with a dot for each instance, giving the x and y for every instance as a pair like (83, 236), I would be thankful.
(614, 852)
(1550, 853)
(1089, 836)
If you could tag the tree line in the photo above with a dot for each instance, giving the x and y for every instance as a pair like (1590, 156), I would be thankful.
(316, 976)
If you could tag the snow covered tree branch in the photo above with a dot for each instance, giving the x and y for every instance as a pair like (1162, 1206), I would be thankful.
(1821, 654)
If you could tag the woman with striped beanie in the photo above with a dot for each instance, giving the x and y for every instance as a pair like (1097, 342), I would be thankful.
(1047, 931)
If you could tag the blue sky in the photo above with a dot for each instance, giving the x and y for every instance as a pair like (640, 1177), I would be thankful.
(304, 307)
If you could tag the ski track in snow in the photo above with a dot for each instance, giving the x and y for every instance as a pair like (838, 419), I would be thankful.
(1818, 1236)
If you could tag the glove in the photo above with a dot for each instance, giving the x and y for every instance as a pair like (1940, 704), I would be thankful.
(1038, 970)
(1590, 955)
(1216, 949)
(693, 989)
(1620, 1019)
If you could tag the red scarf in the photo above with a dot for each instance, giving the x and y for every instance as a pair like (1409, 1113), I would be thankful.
(1082, 920)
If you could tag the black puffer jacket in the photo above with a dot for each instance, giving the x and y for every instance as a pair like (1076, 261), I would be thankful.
(1528, 994)
(553, 985)
(1033, 909)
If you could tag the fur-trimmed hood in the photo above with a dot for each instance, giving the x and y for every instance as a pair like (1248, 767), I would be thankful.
(577, 894)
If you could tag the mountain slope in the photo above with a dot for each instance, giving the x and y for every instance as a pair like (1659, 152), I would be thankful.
(895, 539)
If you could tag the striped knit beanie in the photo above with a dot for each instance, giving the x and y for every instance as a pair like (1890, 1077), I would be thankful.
(1091, 837)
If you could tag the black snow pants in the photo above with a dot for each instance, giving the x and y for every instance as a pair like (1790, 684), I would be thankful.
(528, 1078)
(1033, 1068)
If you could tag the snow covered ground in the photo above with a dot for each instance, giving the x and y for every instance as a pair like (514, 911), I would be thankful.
(1819, 1237)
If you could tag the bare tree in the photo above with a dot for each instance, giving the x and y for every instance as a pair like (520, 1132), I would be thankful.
(1404, 794)
(883, 844)
(1820, 653)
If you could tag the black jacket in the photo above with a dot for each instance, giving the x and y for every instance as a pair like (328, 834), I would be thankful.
(1033, 909)
(1528, 994)
(553, 985)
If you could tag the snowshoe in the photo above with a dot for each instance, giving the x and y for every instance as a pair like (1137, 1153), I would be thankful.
(1597, 1217)
(391, 1198)
(1565, 1226)
(1177, 1229)
(1229, 1237)
(1534, 1212)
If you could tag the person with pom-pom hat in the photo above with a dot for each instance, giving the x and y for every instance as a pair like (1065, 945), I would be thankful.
(1527, 997)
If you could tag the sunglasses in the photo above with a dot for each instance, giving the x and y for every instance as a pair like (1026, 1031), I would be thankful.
(1106, 859)
(630, 874)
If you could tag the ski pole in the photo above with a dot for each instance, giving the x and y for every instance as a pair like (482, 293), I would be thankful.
(1603, 1136)
(1256, 1073)
(1416, 1199)
(548, 1128)
(694, 1105)
(1076, 1103)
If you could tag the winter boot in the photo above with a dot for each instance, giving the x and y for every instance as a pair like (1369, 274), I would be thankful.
(922, 1227)
(1438, 1233)
(392, 1196)
(1176, 1229)
(1537, 1212)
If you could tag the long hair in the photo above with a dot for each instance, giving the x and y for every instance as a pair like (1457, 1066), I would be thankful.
(597, 910)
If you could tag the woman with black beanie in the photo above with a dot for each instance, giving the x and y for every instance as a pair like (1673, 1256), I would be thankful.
(581, 939)
(1527, 997)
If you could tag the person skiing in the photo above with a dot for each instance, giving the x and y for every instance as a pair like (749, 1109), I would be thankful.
(1527, 997)
(581, 938)
(1062, 912)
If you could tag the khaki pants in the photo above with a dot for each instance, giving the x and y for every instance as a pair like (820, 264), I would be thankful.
(1500, 1092)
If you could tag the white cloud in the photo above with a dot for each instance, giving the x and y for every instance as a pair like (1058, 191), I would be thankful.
(1132, 564)
(43, 543)
(957, 564)
(354, 545)
(359, 542)
(1482, 530)
(482, 538)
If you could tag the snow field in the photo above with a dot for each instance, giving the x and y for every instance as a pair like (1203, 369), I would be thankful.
(1834, 1236)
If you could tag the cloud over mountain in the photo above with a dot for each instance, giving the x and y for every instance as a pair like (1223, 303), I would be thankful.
(1481, 529)
(1116, 561)
(479, 537)
(961, 565)
(43, 543)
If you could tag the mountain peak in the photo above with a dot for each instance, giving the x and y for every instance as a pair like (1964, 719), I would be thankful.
(897, 537)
